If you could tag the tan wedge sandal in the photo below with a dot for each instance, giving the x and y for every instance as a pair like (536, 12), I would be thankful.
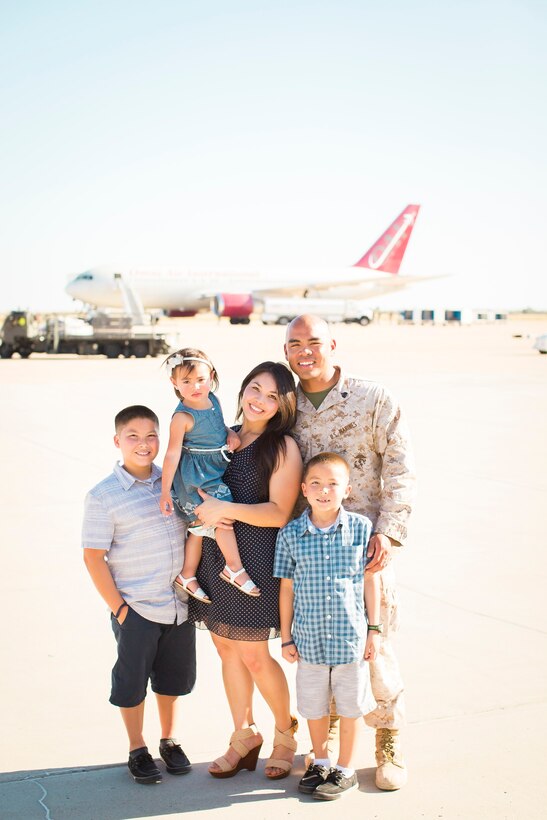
(287, 740)
(248, 757)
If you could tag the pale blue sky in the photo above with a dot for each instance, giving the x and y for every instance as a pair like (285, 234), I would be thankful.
(251, 134)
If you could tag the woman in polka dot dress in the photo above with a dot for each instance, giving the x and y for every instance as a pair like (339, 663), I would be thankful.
(264, 478)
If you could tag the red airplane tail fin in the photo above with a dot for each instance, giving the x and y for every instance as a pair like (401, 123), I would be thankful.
(387, 252)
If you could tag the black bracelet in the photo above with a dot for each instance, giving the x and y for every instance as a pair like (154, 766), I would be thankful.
(287, 643)
(121, 606)
(375, 628)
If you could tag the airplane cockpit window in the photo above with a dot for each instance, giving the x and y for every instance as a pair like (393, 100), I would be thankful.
(83, 276)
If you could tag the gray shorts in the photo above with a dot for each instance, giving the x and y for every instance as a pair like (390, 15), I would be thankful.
(348, 682)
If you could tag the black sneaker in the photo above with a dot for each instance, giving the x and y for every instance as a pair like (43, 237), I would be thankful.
(143, 768)
(314, 776)
(174, 758)
(336, 786)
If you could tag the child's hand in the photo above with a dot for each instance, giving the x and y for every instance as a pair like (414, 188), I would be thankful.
(372, 646)
(290, 653)
(232, 441)
(123, 615)
(166, 504)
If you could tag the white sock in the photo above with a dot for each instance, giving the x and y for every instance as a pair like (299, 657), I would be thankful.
(345, 771)
(322, 761)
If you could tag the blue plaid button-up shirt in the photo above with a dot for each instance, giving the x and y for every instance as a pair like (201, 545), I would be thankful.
(329, 624)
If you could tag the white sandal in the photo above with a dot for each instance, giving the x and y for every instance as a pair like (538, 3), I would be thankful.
(249, 587)
(198, 593)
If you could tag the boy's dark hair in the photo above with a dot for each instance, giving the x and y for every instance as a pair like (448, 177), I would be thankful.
(136, 411)
(325, 458)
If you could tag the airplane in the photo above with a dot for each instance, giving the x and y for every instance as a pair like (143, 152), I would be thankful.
(237, 294)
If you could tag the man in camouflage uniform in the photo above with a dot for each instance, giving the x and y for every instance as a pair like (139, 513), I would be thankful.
(361, 421)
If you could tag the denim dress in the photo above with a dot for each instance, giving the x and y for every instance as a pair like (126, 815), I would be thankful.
(203, 460)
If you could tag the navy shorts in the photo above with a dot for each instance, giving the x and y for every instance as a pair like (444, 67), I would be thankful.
(164, 654)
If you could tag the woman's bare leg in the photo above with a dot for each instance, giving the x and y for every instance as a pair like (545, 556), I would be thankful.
(239, 687)
(272, 683)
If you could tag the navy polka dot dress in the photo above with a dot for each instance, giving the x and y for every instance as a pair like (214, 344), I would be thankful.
(232, 614)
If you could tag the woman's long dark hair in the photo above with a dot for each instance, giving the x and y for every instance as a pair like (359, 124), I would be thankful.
(271, 445)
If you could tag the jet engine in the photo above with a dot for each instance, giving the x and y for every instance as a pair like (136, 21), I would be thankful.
(237, 307)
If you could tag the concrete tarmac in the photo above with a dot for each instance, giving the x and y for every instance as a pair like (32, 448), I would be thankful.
(472, 581)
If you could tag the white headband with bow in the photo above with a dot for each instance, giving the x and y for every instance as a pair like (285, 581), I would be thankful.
(176, 359)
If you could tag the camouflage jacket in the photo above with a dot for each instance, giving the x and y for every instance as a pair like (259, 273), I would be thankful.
(360, 420)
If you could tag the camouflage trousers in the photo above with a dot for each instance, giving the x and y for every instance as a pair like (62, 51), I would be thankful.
(385, 677)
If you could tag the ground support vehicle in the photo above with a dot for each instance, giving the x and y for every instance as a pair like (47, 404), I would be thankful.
(109, 335)
(281, 311)
(541, 343)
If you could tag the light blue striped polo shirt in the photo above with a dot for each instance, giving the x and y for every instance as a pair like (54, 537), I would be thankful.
(329, 624)
(145, 548)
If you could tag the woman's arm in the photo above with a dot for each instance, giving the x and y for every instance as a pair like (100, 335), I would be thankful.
(283, 492)
(181, 423)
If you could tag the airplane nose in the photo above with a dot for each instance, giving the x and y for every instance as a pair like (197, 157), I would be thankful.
(72, 289)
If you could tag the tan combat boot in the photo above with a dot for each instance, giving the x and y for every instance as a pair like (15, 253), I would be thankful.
(391, 773)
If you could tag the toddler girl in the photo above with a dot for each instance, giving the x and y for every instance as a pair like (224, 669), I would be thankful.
(197, 455)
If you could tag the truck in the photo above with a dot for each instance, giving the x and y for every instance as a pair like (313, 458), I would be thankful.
(281, 311)
(103, 334)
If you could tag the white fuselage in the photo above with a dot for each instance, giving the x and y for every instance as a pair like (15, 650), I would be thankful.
(191, 290)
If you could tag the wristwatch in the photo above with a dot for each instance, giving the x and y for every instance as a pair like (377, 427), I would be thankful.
(375, 628)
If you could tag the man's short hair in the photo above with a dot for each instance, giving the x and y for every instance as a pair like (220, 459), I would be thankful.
(325, 458)
(135, 411)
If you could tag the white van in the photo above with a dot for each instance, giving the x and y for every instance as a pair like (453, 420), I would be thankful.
(282, 310)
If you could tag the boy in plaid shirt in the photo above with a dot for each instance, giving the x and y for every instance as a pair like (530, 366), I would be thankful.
(320, 558)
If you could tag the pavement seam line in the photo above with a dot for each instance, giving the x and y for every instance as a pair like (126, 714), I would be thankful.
(522, 705)
(33, 778)
(41, 800)
(472, 611)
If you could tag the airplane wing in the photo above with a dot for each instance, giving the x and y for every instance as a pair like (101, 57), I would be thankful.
(375, 286)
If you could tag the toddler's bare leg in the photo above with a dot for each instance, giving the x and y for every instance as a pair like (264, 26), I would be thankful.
(192, 557)
(227, 544)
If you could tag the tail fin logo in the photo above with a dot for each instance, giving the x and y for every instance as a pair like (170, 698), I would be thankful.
(387, 252)
(383, 253)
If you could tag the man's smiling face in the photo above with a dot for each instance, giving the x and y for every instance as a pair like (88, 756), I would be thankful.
(309, 348)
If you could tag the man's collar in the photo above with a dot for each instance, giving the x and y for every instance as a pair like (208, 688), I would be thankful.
(127, 480)
(337, 393)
